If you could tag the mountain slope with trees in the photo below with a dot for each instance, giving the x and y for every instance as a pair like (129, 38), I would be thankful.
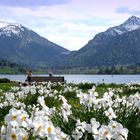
(7, 67)
(23, 46)
(117, 46)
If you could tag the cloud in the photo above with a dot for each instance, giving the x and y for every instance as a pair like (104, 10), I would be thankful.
(69, 41)
(31, 3)
(69, 23)
(122, 9)
(128, 10)
(62, 25)
(68, 34)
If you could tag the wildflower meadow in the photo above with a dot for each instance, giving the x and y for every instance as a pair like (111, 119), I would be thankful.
(84, 111)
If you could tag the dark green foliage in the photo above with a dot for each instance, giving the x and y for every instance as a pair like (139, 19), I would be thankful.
(85, 86)
(4, 80)
(66, 127)
(51, 102)
(7, 67)
(3, 112)
(6, 86)
(130, 118)
(31, 99)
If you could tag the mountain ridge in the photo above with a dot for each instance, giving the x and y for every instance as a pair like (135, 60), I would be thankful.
(23, 46)
(118, 45)
(109, 49)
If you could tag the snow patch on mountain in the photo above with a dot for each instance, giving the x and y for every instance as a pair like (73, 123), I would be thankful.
(3, 24)
(133, 20)
(133, 23)
(9, 28)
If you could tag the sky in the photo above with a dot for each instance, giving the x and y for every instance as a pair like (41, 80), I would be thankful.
(68, 23)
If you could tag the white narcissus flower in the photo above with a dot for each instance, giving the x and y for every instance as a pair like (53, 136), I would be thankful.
(41, 91)
(17, 118)
(33, 90)
(23, 118)
(40, 121)
(50, 130)
(80, 126)
(124, 133)
(92, 92)
(98, 103)
(62, 98)
(13, 133)
(66, 111)
(88, 128)
(13, 117)
(22, 135)
(110, 113)
(110, 93)
(77, 134)
(1, 105)
(3, 132)
(39, 127)
(95, 125)
(61, 135)
(138, 105)
(118, 132)
(41, 101)
(65, 108)
(105, 133)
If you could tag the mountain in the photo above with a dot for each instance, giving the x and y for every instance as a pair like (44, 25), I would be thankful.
(119, 45)
(23, 46)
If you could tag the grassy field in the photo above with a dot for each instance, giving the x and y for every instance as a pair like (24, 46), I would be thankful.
(8, 70)
(83, 111)
(6, 86)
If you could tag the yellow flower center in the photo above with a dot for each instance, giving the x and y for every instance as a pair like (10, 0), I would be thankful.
(109, 114)
(14, 136)
(14, 117)
(24, 138)
(39, 128)
(113, 126)
(23, 118)
(49, 129)
(106, 133)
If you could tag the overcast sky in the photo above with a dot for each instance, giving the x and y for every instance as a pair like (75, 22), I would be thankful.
(69, 23)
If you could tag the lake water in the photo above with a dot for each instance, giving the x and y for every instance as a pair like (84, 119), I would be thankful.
(85, 78)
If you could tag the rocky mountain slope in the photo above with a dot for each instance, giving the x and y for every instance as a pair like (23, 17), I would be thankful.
(23, 46)
(119, 45)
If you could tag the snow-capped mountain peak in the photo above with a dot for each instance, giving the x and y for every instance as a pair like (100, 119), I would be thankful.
(131, 24)
(10, 28)
(3, 24)
(132, 21)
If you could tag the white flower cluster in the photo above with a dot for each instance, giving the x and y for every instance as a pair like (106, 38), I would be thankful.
(19, 125)
(65, 108)
(113, 130)
(31, 116)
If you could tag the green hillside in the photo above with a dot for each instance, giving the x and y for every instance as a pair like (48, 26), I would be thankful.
(7, 67)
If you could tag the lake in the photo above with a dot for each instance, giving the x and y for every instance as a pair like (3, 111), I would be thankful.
(84, 78)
